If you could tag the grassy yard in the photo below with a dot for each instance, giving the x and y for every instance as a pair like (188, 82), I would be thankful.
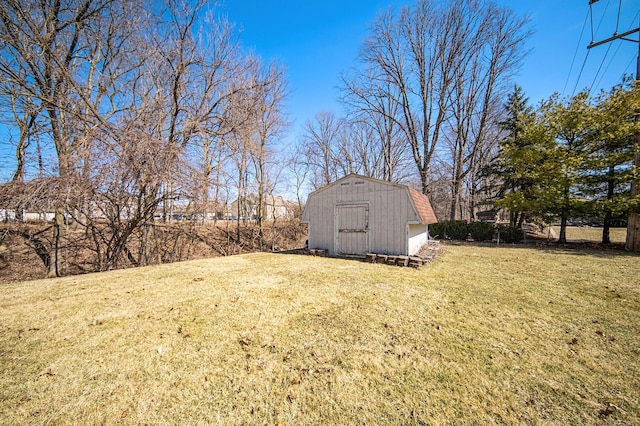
(587, 233)
(483, 335)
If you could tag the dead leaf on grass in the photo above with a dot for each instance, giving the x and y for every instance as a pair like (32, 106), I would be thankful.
(245, 340)
(608, 410)
(48, 373)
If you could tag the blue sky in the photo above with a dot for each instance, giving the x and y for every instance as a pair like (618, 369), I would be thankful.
(317, 40)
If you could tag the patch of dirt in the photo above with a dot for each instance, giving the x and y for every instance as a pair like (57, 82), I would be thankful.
(18, 261)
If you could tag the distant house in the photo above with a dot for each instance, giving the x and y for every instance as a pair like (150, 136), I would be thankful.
(32, 201)
(246, 208)
(357, 215)
(487, 216)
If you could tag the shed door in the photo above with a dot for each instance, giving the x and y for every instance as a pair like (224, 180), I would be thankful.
(352, 229)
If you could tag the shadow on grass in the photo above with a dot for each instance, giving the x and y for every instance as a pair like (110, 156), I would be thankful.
(576, 248)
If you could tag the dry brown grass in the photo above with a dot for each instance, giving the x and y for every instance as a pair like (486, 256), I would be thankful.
(483, 335)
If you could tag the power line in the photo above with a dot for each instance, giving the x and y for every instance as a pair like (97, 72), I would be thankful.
(601, 17)
(580, 75)
(575, 54)
(615, 53)
(606, 69)
(608, 41)
(604, 58)
(628, 65)
(634, 20)
(606, 8)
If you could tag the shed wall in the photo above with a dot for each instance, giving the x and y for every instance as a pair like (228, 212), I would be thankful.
(390, 208)
(417, 237)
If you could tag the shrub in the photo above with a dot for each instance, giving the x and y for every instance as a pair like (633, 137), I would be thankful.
(510, 234)
(452, 229)
(481, 231)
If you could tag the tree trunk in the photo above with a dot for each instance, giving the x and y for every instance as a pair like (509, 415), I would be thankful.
(260, 208)
(424, 180)
(633, 224)
(18, 176)
(562, 239)
(455, 199)
(633, 232)
(54, 257)
(456, 186)
(606, 226)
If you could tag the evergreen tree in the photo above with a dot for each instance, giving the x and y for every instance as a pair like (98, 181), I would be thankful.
(509, 178)
(568, 123)
(608, 180)
(570, 157)
(543, 158)
(529, 162)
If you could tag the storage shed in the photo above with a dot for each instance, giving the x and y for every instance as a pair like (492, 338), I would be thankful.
(357, 215)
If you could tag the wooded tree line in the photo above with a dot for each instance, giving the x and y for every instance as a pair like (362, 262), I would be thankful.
(132, 106)
(121, 109)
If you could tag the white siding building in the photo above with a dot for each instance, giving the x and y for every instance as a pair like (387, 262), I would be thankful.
(357, 215)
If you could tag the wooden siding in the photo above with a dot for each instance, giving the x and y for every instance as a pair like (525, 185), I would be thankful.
(390, 212)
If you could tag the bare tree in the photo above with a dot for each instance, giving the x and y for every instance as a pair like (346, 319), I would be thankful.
(374, 111)
(270, 122)
(221, 69)
(407, 62)
(321, 138)
(139, 106)
(126, 184)
(70, 50)
(493, 40)
(24, 113)
(242, 115)
(299, 169)
(415, 72)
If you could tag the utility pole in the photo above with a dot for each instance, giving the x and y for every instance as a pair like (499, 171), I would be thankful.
(633, 223)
